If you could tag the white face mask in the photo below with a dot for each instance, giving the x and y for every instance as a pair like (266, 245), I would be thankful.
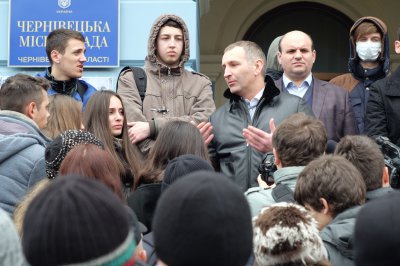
(368, 51)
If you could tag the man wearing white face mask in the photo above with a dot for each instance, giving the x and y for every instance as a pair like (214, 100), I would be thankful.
(368, 62)
(383, 116)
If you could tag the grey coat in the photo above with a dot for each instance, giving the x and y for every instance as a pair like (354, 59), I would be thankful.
(22, 163)
(259, 198)
(338, 237)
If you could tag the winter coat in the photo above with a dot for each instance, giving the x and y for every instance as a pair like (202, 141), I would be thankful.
(358, 81)
(259, 198)
(229, 150)
(22, 163)
(338, 237)
(171, 93)
(383, 116)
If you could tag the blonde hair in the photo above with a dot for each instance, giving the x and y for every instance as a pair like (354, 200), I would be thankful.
(19, 213)
(65, 114)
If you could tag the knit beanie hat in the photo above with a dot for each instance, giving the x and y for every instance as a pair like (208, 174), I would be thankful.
(62, 144)
(77, 221)
(284, 233)
(377, 231)
(183, 165)
(203, 219)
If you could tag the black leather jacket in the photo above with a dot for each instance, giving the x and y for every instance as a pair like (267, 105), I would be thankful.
(228, 149)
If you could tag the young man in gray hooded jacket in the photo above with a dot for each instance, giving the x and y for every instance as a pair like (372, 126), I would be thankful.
(172, 92)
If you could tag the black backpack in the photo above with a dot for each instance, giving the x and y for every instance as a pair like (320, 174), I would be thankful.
(140, 79)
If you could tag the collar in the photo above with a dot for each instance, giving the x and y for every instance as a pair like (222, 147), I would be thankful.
(269, 92)
(287, 82)
(257, 97)
(66, 87)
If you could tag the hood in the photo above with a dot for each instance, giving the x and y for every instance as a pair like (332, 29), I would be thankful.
(353, 64)
(155, 29)
(10, 145)
(272, 55)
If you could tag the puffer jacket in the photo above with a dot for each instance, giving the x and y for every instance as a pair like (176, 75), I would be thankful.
(22, 163)
(359, 79)
(229, 150)
(171, 94)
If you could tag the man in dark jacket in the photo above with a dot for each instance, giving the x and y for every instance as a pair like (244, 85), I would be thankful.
(368, 62)
(383, 116)
(66, 52)
(240, 126)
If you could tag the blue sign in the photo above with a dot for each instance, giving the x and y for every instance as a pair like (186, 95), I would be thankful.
(31, 22)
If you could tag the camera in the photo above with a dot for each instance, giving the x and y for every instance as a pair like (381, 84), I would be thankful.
(391, 155)
(267, 168)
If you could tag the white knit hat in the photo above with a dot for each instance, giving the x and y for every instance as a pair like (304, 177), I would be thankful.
(286, 232)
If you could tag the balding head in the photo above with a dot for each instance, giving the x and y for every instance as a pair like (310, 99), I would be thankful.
(296, 55)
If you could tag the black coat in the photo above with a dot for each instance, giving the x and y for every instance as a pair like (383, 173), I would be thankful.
(383, 109)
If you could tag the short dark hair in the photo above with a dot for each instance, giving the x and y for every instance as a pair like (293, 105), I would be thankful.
(172, 23)
(20, 90)
(333, 178)
(58, 40)
(366, 156)
(299, 139)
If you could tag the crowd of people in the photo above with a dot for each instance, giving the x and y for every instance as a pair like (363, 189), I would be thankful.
(155, 174)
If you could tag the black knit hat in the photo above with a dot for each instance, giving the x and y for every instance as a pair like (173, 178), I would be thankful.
(377, 232)
(183, 165)
(203, 219)
(76, 220)
(62, 144)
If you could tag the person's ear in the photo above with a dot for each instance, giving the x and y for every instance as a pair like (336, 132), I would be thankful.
(397, 47)
(325, 209)
(280, 58)
(314, 55)
(55, 56)
(258, 67)
(276, 158)
(30, 110)
(385, 177)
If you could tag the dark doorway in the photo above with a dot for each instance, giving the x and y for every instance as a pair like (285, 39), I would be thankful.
(328, 28)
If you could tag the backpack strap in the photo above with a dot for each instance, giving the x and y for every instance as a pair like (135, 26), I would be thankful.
(282, 193)
(140, 78)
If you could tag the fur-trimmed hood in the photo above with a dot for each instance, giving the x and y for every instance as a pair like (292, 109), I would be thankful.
(155, 29)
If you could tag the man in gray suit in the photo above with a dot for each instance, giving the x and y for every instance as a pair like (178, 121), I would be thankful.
(329, 103)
